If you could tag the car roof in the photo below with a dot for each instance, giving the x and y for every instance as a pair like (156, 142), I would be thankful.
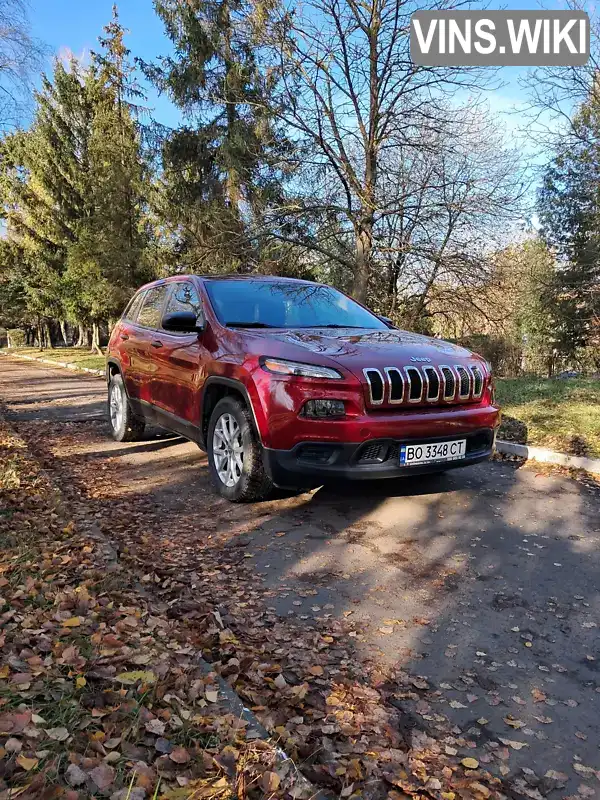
(228, 277)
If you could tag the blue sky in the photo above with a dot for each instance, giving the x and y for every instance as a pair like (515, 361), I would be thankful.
(76, 24)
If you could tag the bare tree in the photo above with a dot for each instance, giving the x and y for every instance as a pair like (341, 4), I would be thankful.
(21, 56)
(555, 91)
(350, 92)
(456, 199)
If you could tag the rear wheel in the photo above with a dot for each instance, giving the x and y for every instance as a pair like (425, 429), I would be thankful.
(234, 454)
(125, 426)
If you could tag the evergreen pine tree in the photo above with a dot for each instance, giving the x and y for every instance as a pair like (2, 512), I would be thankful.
(223, 167)
(569, 206)
(107, 261)
(44, 187)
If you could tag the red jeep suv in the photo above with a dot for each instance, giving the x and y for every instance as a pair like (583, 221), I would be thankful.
(290, 383)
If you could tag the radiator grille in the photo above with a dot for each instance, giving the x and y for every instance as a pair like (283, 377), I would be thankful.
(425, 384)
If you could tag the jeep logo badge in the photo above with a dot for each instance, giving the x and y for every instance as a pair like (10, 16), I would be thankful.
(420, 360)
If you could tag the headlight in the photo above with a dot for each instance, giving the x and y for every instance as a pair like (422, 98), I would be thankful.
(281, 367)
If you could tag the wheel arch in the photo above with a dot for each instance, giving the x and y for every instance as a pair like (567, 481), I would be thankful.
(113, 367)
(216, 388)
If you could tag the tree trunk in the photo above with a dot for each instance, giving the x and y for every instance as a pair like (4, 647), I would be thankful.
(84, 336)
(63, 332)
(48, 336)
(96, 339)
(364, 245)
(233, 179)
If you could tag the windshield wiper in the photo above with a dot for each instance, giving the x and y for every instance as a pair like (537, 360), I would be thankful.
(249, 325)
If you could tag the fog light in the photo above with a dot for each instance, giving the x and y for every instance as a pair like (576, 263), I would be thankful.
(317, 409)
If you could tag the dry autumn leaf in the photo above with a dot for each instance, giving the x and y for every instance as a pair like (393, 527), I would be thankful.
(514, 723)
(58, 734)
(470, 763)
(27, 763)
(270, 781)
(513, 744)
(130, 678)
(103, 776)
(179, 755)
(155, 726)
(280, 682)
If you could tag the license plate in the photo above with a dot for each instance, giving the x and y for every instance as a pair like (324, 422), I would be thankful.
(434, 451)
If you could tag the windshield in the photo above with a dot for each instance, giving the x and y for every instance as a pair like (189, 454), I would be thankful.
(261, 304)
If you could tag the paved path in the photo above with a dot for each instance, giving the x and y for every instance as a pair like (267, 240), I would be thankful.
(486, 580)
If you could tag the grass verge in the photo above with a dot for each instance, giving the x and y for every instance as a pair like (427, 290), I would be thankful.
(562, 415)
(81, 357)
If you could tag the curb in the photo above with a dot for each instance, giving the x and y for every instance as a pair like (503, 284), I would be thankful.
(64, 364)
(548, 456)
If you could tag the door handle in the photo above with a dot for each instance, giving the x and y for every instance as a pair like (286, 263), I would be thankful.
(157, 343)
(124, 337)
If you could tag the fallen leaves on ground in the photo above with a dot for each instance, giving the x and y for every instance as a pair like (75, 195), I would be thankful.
(109, 606)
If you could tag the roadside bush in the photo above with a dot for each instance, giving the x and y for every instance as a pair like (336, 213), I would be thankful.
(503, 353)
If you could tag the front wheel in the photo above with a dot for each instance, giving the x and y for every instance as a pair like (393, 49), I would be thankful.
(234, 454)
(124, 425)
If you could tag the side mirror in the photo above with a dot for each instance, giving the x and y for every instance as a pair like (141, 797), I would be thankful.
(387, 321)
(182, 322)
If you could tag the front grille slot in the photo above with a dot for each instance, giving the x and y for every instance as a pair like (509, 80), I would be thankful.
(464, 389)
(433, 384)
(449, 383)
(376, 385)
(396, 382)
(477, 382)
(415, 384)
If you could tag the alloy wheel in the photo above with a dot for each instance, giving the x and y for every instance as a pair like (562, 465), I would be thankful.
(228, 450)
(116, 408)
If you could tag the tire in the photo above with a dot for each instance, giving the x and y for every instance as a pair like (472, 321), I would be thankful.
(125, 426)
(242, 479)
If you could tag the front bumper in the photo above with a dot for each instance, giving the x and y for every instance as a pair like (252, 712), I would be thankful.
(310, 463)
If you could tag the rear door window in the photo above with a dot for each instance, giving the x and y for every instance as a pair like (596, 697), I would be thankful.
(151, 313)
(133, 309)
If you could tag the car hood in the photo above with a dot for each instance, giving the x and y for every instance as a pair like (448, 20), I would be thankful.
(360, 348)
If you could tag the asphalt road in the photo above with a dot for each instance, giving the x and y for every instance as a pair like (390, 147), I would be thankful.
(486, 581)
